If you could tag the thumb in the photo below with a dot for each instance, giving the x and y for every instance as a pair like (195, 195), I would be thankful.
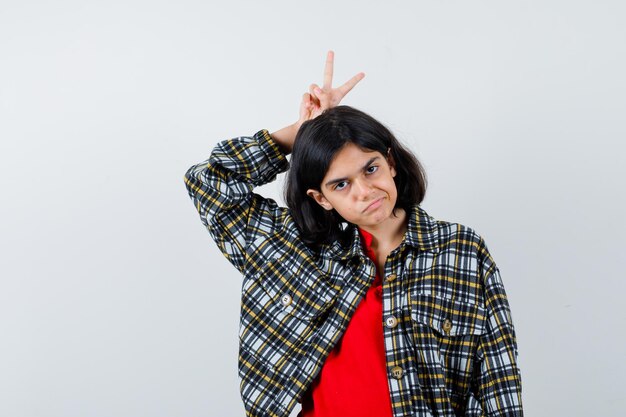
(306, 100)
(322, 97)
(316, 91)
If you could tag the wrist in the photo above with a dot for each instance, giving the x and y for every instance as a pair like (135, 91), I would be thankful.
(285, 137)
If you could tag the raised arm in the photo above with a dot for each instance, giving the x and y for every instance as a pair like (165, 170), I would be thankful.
(221, 187)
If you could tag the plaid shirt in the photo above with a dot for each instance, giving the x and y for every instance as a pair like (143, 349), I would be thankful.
(448, 332)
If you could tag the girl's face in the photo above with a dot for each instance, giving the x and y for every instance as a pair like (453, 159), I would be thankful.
(359, 186)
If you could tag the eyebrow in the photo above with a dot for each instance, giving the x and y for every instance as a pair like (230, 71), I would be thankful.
(338, 180)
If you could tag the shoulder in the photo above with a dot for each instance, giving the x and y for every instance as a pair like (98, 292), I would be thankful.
(276, 234)
(465, 240)
(440, 234)
(453, 233)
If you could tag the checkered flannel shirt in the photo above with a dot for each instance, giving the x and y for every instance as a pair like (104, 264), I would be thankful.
(452, 349)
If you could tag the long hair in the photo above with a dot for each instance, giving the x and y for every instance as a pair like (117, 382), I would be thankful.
(317, 142)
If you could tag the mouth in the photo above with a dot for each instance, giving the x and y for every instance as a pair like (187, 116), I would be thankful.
(374, 204)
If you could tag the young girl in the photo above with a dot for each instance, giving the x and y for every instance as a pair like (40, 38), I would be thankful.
(355, 301)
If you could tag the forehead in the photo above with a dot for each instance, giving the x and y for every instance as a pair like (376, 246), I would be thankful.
(349, 160)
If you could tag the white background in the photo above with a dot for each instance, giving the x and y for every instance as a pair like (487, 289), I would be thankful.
(114, 301)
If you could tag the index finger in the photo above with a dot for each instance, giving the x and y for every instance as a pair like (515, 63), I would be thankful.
(328, 70)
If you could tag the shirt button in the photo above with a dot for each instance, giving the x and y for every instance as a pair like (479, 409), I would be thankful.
(391, 277)
(447, 326)
(391, 322)
(396, 372)
(285, 300)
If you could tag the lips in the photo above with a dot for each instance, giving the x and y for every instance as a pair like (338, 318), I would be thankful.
(374, 204)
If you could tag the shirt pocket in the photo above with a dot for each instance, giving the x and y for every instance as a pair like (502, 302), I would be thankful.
(446, 334)
(301, 290)
(448, 317)
(281, 309)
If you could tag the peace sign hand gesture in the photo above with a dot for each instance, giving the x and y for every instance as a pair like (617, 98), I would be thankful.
(319, 99)
(314, 103)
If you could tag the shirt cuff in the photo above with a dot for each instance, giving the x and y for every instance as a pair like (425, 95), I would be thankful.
(275, 157)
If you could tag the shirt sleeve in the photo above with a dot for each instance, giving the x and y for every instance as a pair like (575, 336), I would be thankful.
(499, 385)
(221, 189)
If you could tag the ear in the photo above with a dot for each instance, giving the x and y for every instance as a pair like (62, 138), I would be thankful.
(391, 162)
(319, 198)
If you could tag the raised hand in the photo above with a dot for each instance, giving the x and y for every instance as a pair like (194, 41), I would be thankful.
(319, 99)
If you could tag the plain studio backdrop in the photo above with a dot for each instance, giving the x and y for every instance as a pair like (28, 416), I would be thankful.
(114, 300)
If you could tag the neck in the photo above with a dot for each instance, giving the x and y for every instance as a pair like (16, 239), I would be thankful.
(390, 232)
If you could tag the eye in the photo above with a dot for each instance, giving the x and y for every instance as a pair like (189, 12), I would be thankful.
(372, 168)
(340, 185)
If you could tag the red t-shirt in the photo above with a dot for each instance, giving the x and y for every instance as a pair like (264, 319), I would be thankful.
(353, 380)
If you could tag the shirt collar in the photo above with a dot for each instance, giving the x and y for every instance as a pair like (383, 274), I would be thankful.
(422, 233)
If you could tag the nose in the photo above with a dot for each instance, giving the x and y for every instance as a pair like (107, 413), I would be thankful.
(362, 189)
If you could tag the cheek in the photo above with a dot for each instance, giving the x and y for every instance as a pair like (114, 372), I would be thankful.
(345, 207)
(391, 187)
(388, 184)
